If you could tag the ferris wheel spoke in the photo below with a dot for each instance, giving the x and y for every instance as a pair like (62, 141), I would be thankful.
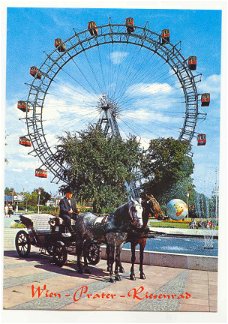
(101, 67)
(81, 72)
(135, 126)
(85, 78)
(143, 71)
(154, 101)
(72, 78)
(131, 62)
(140, 79)
(75, 80)
(93, 72)
(121, 51)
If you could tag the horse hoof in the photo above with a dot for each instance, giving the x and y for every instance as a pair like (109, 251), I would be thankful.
(121, 270)
(80, 271)
(142, 276)
(87, 271)
(132, 277)
(111, 280)
(118, 278)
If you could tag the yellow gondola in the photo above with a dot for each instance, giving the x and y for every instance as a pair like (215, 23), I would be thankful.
(60, 45)
(92, 27)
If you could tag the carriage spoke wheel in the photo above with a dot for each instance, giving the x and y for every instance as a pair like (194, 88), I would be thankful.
(93, 253)
(23, 245)
(59, 254)
(50, 249)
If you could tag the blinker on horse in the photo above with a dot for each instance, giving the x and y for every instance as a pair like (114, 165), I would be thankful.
(150, 206)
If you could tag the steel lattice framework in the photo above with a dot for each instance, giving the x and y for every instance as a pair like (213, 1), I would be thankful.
(83, 41)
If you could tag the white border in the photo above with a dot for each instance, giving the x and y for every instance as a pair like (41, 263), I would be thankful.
(133, 317)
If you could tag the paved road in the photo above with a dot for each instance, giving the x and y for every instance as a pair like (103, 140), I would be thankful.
(166, 289)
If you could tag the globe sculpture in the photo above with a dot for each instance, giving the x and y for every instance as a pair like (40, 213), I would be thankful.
(177, 209)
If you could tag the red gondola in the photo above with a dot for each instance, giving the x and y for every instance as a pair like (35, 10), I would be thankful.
(23, 106)
(205, 99)
(192, 62)
(130, 25)
(201, 139)
(92, 27)
(60, 45)
(165, 36)
(41, 173)
(25, 141)
(35, 72)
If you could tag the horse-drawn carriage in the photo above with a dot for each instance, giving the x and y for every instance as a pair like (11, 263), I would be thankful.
(127, 223)
(48, 233)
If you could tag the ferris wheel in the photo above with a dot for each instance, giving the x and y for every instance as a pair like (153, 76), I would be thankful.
(117, 70)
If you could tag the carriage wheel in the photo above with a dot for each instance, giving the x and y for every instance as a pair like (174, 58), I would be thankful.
(23, 244)
(50, 249)
(59, 254)
(93, 253)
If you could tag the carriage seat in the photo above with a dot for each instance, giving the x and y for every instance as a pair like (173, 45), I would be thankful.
(37, 222)
(61, 221)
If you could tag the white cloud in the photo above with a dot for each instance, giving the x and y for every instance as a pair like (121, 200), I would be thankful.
(143, 115)
(140, 89)
(20, 164)
(17, 170)
(211, 84)
(118, 57)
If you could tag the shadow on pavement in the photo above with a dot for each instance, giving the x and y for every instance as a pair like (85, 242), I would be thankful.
(69, 269)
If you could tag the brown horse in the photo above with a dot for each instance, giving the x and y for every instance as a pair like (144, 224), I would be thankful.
(157, 212)
(150, 206)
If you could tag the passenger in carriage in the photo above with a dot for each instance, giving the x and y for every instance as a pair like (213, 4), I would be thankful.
(68, 209)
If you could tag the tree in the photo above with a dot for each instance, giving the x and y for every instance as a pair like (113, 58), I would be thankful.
(44, 195)
(32, 198)
(180, 190)
(165, 164)
(9, 191)
(98, 166)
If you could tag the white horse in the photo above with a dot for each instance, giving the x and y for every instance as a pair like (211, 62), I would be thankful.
(112, 230)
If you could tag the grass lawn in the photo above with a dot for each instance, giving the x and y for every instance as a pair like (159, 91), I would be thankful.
(168, 224)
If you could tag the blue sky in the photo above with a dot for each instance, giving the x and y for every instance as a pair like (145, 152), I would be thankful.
(150, 99)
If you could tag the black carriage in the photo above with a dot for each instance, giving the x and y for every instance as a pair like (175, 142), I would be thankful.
(50, 235)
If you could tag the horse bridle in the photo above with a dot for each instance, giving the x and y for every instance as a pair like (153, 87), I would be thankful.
(132, 209)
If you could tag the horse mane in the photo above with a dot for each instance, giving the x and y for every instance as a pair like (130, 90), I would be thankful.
(119, 212)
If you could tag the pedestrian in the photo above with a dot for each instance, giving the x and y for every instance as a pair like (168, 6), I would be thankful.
(6, 210)
(10, 210)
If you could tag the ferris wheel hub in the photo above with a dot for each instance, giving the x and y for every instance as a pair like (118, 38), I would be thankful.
(105, 104)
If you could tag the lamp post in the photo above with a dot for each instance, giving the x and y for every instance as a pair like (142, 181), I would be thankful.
(187, 202)
(38, 205)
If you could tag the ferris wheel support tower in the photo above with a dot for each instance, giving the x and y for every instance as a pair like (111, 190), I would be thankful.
(109, 125)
